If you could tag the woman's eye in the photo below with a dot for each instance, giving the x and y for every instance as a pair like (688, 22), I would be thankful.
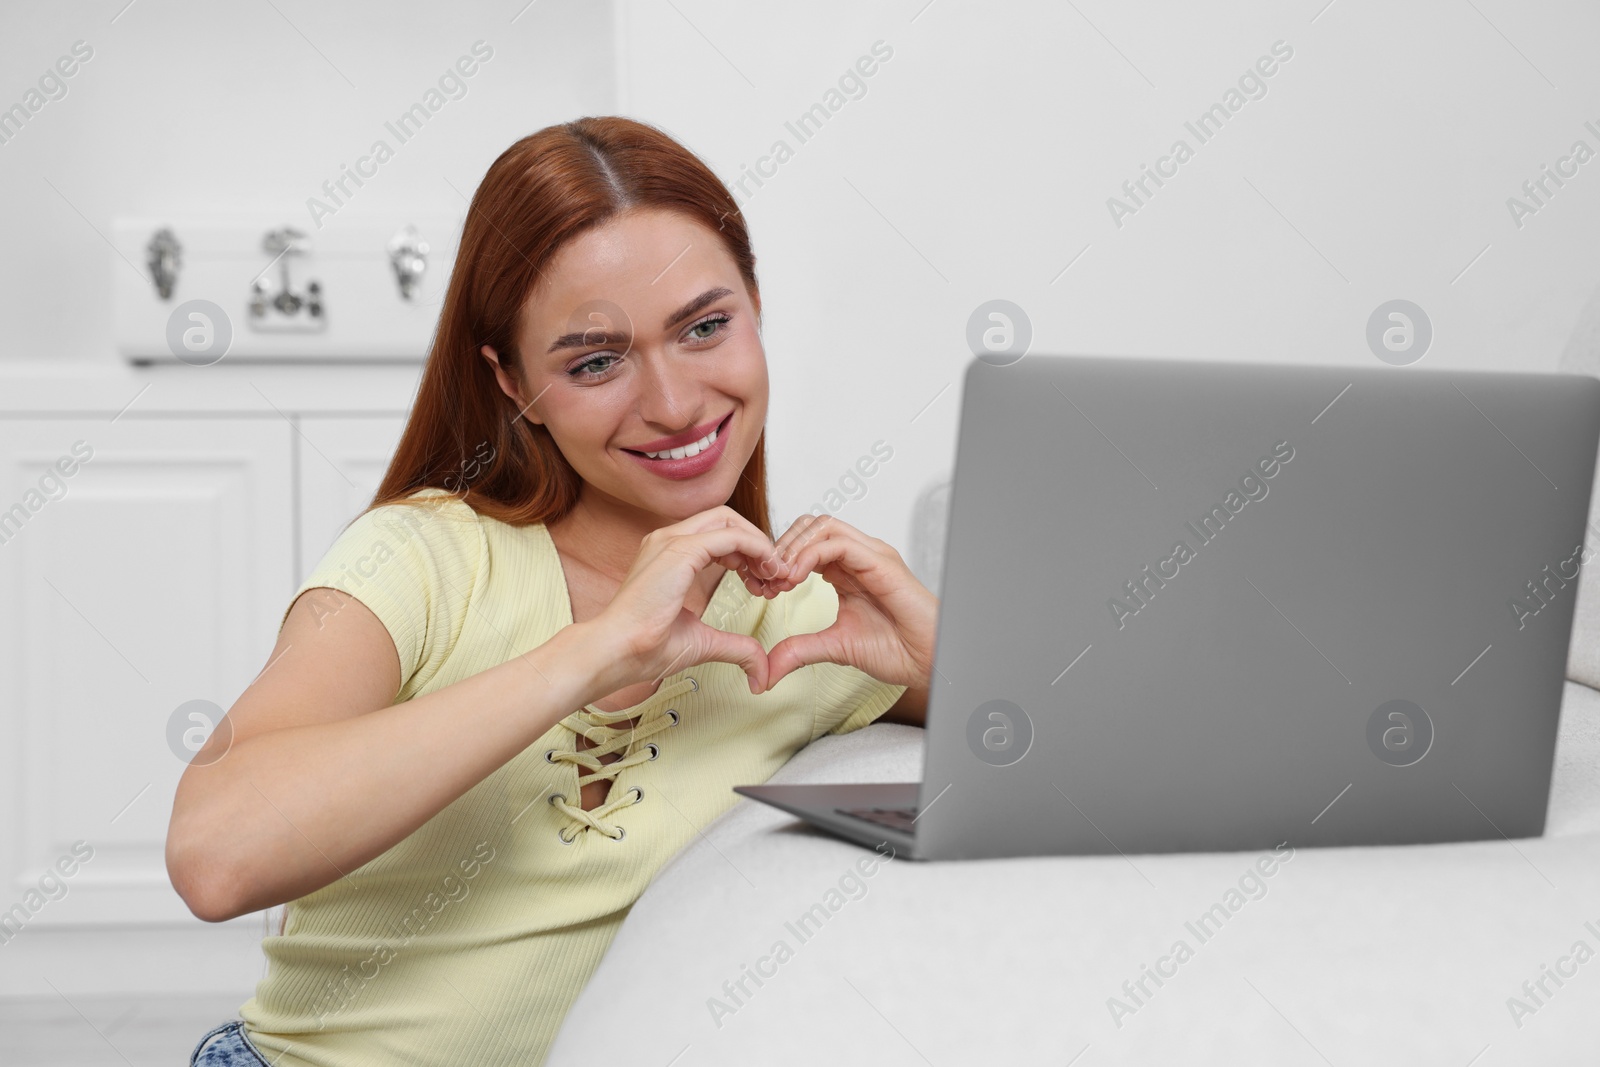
(708, 328)
(593, 367)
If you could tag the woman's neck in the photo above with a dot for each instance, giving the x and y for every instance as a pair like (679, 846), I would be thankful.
(604, 534)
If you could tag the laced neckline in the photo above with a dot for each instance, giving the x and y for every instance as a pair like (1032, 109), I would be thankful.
(728, 600)
(596, 725)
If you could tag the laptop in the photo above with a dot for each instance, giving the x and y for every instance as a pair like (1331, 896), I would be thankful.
(1200, 606)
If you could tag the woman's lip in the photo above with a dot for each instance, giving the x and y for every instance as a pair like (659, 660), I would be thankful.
(720, 427)
(688, 466)
(678, 440)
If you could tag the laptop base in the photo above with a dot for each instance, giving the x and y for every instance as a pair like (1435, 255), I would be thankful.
(819, 804)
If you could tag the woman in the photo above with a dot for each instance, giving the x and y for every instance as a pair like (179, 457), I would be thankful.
(575, 518)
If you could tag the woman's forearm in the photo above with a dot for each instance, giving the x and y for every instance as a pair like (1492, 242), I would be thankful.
(291, 810)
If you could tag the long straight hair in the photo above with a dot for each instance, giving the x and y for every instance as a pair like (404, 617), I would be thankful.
(464, 434)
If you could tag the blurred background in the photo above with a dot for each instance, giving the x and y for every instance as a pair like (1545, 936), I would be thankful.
(947, 170)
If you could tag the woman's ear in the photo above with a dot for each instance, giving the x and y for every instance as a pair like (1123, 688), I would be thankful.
(507, 384)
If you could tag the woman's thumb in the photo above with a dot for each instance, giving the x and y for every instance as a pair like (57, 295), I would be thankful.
(794, 652)
(742, 650)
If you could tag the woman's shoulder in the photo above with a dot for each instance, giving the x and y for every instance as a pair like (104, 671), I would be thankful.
(414, 563)
(430, 518)
(430, 534)
(428, 508)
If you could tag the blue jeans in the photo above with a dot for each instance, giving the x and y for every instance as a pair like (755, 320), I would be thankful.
(226, 1047)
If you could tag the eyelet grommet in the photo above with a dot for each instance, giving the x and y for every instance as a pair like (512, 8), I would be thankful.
(555, 797)
(694, 682)
(621, 833)
(639, 793)
(562, 835)
(548, 754)
(655, 750)
(672, 713)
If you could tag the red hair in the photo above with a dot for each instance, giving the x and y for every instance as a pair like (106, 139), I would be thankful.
(544, 190)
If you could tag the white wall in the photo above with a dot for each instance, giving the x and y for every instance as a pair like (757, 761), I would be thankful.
(1383, 153)
(990, 142)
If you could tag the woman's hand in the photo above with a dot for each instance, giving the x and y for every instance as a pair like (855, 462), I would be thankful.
(887, 619)
(653, 633)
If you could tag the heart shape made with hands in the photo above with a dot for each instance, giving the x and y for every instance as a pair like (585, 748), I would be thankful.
(886, 617)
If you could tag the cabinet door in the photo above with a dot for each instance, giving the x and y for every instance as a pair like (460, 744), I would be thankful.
(149, 577)
(341, 460)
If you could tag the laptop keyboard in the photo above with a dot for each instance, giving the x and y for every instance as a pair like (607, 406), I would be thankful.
(894, 818)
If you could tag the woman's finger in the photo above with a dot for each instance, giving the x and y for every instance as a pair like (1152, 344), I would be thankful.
(808, 530)
(764, 568)
(712, 519)
(798, 650)
(709, 519)
(737, 547)
(866, 567)
(813, 532)
(797, 532)
(741, 650)
(799, 523)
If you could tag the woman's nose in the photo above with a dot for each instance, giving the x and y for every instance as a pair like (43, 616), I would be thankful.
(666, 398)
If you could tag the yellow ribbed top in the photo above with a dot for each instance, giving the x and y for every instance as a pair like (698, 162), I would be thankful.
(468, 941)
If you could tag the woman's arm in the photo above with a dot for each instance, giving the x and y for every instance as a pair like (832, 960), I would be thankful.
(325, 772)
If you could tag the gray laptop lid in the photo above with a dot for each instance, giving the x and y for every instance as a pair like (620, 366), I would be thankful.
(1221, 606)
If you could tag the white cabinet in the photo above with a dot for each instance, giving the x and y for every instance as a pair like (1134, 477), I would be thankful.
(152, 575)
(340, 460)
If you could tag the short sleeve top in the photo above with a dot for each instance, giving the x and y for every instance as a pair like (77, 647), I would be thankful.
(468, 940)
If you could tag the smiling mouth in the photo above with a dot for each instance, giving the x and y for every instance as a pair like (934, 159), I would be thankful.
(694, 448)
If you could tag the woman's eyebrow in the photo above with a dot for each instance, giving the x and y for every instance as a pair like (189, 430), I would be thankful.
(596, 336)
(710, 296)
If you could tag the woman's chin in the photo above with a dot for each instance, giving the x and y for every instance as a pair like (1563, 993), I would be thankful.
(675, 501)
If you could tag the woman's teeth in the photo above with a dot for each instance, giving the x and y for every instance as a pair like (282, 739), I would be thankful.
(693, 449)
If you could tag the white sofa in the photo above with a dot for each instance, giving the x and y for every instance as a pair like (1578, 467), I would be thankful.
(1399, 954)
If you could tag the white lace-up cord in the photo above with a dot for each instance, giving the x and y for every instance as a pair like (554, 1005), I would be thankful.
(595, 725)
